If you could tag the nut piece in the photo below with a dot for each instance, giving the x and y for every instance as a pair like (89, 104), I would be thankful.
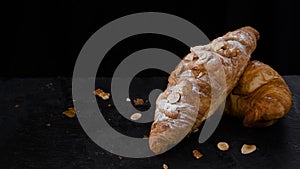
(101, 94)
(173, 97)
(135, 116)
(138, 102)
(223, 146)
(195, 130)
(197, 154)
(70, 112)
(165, 166)
(172, 114)
(189, 57)
(247, 149)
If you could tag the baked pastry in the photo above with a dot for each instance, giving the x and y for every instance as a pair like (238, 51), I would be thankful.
(199, 85)
(261, 96)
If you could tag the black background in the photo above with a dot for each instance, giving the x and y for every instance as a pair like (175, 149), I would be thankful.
(45, 38)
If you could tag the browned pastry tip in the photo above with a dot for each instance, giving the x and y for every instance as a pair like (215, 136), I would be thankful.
(251, 30)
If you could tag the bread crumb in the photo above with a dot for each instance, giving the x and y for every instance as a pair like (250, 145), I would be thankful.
(195, 130)
(109, 105)
(138, 101)
(128, 99)
(247, 149)
(48, 124)
(135, 116)
(197, 154)
(17, 106)
(102, 94)
(223, 146)
(70, 112)
(120, 157)
(165, 166)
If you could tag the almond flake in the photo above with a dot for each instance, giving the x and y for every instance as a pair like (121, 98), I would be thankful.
(247, 149)
(70, 112)
(223, 146)
(173, 97)
(101, 94)
(197, 154)
(135, 116)
(138, 102)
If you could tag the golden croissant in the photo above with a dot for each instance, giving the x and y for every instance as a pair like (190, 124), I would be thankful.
(261, 96)
(187, 100)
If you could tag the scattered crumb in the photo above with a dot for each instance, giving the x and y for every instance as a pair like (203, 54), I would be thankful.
(101, 94)
(48, 124)
(120, 157)
(195, 130)
(128, 99)
(70, 112)
(197, 154)
(146, 137)
(223, 146)
(247, 149)
(147, 101)
(138, 102)
(109, 105)
(17, 106)
(135, 116)
(165, 166)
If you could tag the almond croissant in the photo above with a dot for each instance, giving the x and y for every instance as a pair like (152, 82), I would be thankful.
(188, 98)
(261, 96)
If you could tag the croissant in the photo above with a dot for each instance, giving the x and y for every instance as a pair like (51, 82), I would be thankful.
(188, 99)
(261, 96)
